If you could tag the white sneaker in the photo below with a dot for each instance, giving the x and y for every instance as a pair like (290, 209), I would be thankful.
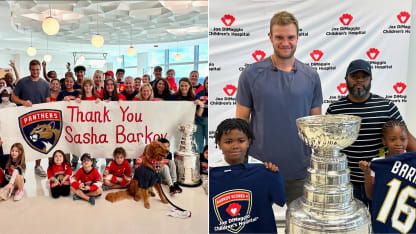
(18, 195)
(40, 172)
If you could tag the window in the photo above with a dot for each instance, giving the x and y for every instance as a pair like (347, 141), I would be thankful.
(186, 55)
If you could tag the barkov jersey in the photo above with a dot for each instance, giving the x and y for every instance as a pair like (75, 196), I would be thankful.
(241, 198)
(394, 197)
(59, 172)
(91, 178)
(118, 170)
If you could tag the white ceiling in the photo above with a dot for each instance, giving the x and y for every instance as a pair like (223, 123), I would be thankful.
(165, 23)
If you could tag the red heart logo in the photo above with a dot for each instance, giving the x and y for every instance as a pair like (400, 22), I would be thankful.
(316, 55)
(233, 209)
(399, 87)
(258, 55)
(372, 53)
(204, 99)
(342, 88)
(403, 17)
(230, 89)
(228, 20)
(345, 19)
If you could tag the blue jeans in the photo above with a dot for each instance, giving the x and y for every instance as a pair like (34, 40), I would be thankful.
(359, 193)
(201, 134)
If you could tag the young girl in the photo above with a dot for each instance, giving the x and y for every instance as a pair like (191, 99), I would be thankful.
(241, 186)
(170, 78)
(395, 138)
(117, 174)
(14, 173)
(110, 91)
(59, 172)
(69, 93)
(86, 183)
(87, 92)
(185, 92)
(55, 89)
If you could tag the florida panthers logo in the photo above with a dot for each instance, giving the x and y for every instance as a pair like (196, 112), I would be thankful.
(41, 129)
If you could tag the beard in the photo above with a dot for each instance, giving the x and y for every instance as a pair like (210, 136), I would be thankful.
(358, 93)
(285, 56)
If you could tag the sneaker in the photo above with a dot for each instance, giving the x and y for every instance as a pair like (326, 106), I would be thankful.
(177, 188)
(105, 187)
(18, 195)
(172, 190)
(92, 201)
(76, 197)
(40, 172)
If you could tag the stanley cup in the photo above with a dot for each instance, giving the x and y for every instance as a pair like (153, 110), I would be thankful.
(328, 205)
(186, 158)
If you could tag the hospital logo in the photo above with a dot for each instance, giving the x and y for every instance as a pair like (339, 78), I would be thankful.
(230, 90)
(372, 53)
(399, 87)
(403, 17)
(346, 19)
(230, 207)
(258, 55)
(316, 55)
(41, 129)
(342, 88)
(228, 20)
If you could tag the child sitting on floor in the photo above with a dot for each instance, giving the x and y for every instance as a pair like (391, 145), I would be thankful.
(13, 176)
(117, 174)
(59, 172)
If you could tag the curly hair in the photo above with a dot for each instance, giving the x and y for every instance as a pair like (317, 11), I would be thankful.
(228, 125)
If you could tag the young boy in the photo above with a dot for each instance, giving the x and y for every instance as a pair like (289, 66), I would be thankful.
(86, 183)
(241, 194)
(117, 174)
(169, 170)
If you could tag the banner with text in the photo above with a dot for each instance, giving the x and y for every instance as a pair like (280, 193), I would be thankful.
(96, 128)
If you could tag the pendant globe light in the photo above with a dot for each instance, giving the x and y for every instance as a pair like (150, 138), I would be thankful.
(31, 51)
(47, 57)
(97, 40)
(50, 25)
(131, 51)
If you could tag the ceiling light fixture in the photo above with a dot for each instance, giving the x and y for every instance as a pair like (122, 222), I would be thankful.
(131, 50)
(47, 57)
(97, 40)
(50, 25)
(31, 51)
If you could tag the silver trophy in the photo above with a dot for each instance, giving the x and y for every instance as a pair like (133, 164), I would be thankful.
(328, 205)
(186, 158)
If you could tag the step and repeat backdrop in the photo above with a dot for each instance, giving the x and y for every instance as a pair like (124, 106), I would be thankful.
(331, 35)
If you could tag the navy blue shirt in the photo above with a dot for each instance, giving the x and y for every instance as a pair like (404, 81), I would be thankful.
(241, 197)
(394, 197)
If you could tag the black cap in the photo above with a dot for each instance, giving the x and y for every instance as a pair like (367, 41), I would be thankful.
(79, 68)
(120, 70)
(157, 68)
(86, 155)
(359, 65)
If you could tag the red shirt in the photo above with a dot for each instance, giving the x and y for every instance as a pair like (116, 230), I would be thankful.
(172, 83)
(90, 98)
(91, 178)
(59, 172)
(118, 170)
(52, 99)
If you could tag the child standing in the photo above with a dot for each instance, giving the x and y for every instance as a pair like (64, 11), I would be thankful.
(395, 138)
(87, 181)
(240, 193)
(14, 173)
(117, 174)
(59, 172)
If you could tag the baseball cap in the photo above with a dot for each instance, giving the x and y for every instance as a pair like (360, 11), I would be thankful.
(157, 68)
(111, 73)
(79, 68)
(359, 65)
(86, 156)
(120, 70)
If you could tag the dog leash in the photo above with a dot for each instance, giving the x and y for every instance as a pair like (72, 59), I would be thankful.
(177, 207)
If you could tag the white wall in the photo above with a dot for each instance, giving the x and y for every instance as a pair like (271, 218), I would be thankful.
(411, 80)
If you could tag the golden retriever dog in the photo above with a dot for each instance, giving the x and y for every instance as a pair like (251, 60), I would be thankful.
(146, 176)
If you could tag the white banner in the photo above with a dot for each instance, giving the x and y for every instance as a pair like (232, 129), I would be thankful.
(331, 35)
(96, 128)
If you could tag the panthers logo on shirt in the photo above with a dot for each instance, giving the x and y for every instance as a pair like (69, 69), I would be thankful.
(41, 129)
(231, 208)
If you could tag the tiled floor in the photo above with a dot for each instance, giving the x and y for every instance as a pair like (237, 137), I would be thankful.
(37, 212)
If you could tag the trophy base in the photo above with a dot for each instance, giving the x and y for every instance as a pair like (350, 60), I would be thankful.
(196, 184)
(355, 221)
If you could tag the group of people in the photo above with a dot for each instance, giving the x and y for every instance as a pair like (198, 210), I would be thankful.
(87, 183)
(104, 87)
(271, 95)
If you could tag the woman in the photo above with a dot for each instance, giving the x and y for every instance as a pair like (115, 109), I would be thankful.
(55, 89)
(145, 93)
(110, 92)
(87, 92)
(185, 92)
(201, 118)
(161, 89)
(69, 93)
(98, 83)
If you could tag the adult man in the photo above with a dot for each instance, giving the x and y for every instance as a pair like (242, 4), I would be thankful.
(119, 76)
(137, 83)
(194, 76)
(108, 75)
(32, 90)
(79, 73)
(157, 72)
(129, 91)
(374, 112)
(276, 91)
